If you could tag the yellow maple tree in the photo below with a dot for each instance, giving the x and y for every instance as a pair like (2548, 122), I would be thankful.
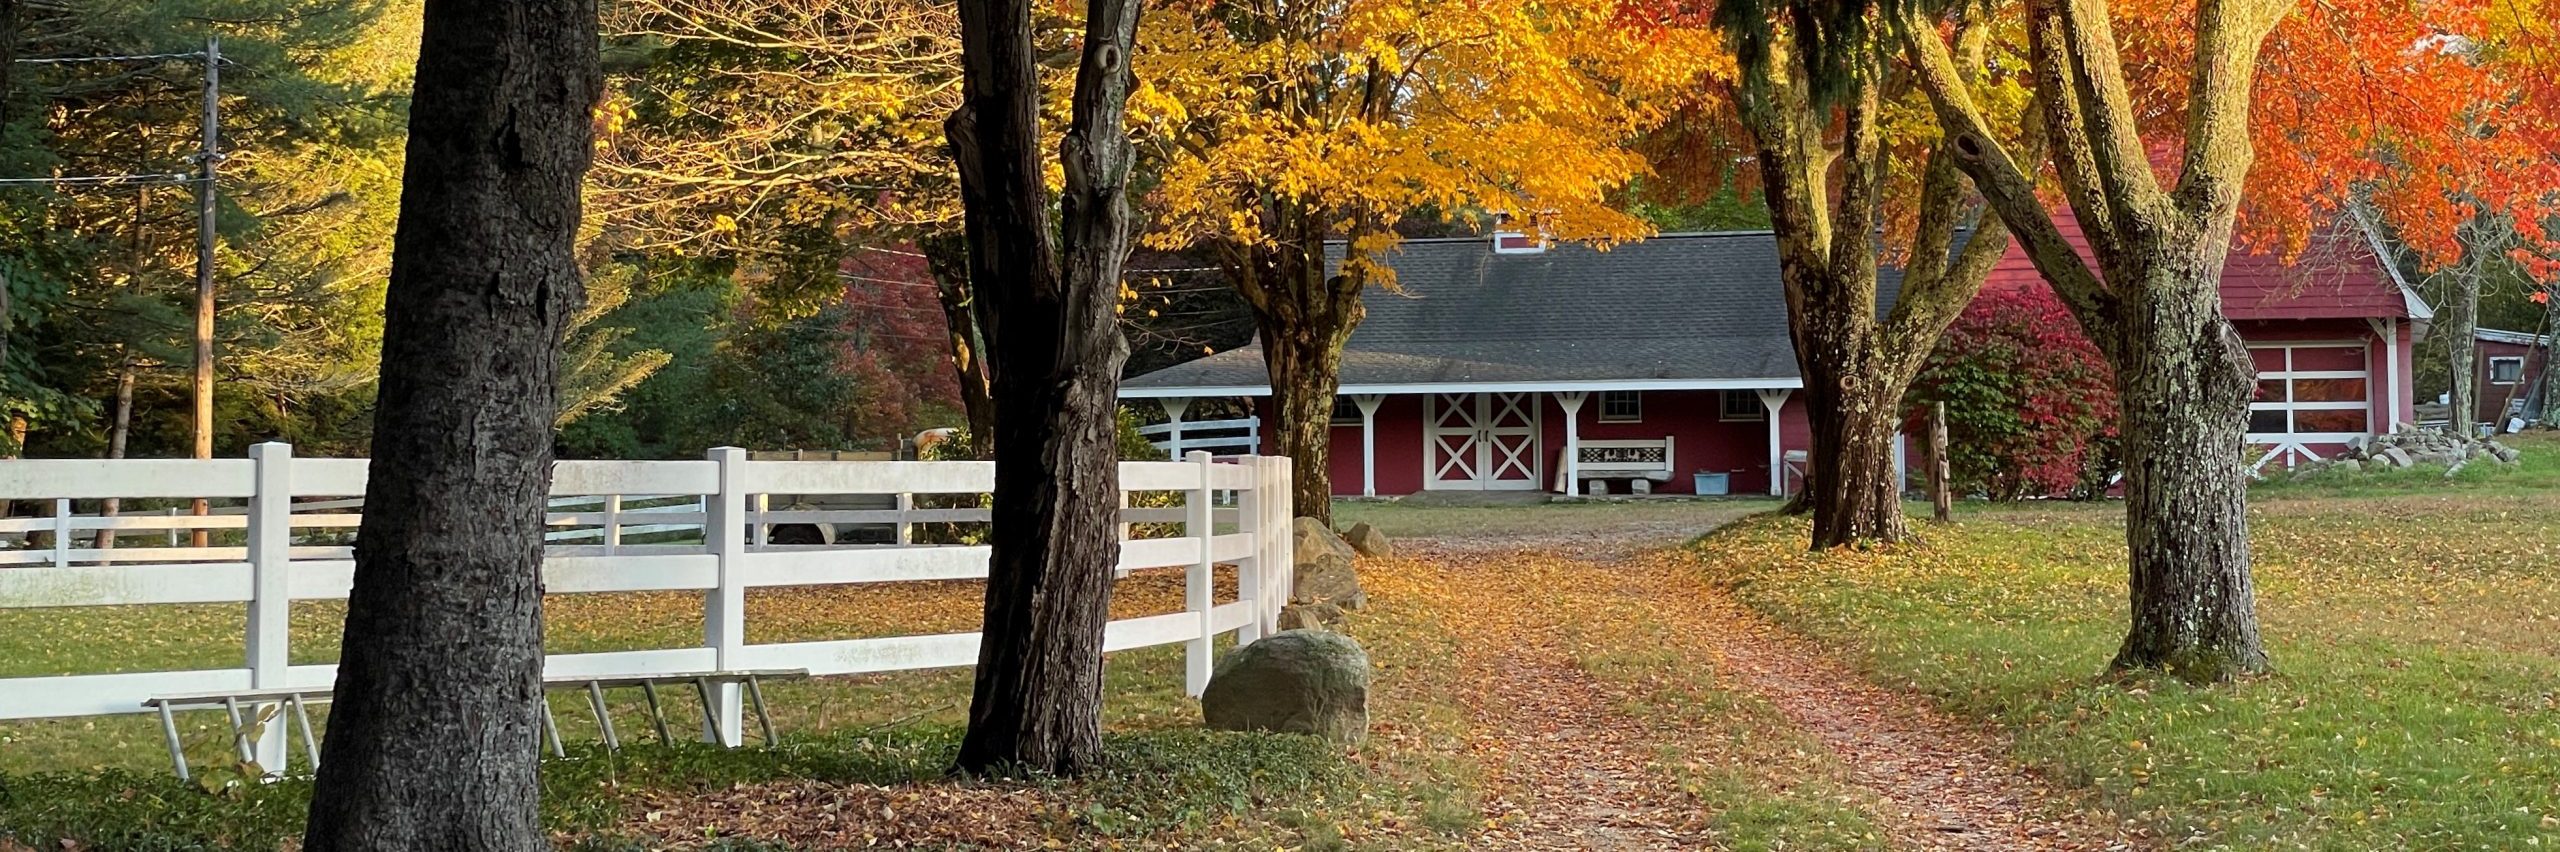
(1281, 127)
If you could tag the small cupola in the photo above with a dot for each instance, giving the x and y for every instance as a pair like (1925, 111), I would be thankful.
(1510, 238)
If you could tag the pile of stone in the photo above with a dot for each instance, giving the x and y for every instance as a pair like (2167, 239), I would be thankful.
(2411, 447)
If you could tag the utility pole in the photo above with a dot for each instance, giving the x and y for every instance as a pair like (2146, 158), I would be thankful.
(207, 165)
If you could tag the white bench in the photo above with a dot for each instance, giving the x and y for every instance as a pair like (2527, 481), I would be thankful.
(298, 701)
(1633, 460)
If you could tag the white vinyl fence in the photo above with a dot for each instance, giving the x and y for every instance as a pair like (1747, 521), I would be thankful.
(708, 521)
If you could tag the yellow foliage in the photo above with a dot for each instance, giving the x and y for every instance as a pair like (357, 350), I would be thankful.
(1361, 113)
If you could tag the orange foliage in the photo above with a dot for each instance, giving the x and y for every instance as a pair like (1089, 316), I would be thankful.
(2425, 108)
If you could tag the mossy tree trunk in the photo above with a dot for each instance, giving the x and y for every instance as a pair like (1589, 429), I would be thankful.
(1823, 189)
(2152, 303)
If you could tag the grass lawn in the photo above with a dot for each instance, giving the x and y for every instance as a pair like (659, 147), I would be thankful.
(2412, 619)
(105, 781)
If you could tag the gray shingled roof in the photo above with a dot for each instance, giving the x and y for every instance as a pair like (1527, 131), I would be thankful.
(1701, 310)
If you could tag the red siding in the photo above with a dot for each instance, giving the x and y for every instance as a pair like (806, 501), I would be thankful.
(1701, 440)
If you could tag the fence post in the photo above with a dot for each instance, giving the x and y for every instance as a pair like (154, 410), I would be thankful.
(1249, 520)
(724, 607)
(1199, 522)
(906, 530)
(270, 592)
(62, 532)
(1281, 581)
(612, 523)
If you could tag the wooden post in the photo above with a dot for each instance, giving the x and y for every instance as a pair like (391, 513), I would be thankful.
(1941, 501)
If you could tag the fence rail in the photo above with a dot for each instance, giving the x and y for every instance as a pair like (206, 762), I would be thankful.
(1179, 438)
(261, 564)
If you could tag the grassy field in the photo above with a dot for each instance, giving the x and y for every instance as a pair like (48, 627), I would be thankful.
(106, 783)
(2412, 620)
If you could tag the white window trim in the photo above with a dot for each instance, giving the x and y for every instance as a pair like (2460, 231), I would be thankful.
(1601, 411)
(2495, 360)
(1758, 413)
(2289, 406)
(1336, 420)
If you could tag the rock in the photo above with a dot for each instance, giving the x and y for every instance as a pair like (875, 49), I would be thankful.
(1640, 486)
(1596, 487)
(1295, 681)
(1323, 567)
(1369, 541)
(2503, 453)
(2393, 457)
(2349, 465)
(1316, 616)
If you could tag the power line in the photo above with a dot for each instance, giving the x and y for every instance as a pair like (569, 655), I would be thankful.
(138, 57)
(102, 180)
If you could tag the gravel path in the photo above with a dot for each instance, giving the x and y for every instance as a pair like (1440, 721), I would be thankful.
(1572, 770)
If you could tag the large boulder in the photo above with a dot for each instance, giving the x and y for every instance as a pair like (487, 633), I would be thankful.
(1323, 571)
(1369, 541)
(1295, 681)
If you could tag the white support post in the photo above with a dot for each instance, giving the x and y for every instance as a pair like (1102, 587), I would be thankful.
(2389, 329)
(764, 531)
(1775, 399)
(1200, 587)
(1174, 406)
(612, 523)
(1251, 520)
(724, 607)
(1572, 405)
(1280, 580)
(62, 532)
(270, 593)
(906, 530)
(1368, 403)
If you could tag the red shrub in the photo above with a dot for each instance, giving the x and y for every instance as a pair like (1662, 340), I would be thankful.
(2031, 404)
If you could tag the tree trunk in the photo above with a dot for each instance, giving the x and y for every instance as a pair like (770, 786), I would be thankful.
(1056, 351)
(434, 737)
(2550, 395)
(2459, 325)
(2185, 391)
(1851, 399)
(947, 257)
(1305, 363)
(119, 432)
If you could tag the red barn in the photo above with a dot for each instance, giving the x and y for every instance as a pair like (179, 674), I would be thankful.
(1666, 365)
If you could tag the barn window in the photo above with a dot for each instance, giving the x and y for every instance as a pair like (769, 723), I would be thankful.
(1345, 411)
(1743, 406)
(2506, 370)
(1621, 406)
(2316, 392)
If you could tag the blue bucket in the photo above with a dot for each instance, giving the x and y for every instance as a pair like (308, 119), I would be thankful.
(1714, 484)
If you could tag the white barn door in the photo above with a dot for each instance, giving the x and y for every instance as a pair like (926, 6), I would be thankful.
(1480, 442)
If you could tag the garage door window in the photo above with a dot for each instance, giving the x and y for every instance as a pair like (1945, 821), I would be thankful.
(2310, 392)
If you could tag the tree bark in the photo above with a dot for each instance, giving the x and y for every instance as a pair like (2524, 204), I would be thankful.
(1304, 315)
(119, 433)
(1055, 355)
(2185, 398)
(1823, 195)
(434, 737)
(2460, 324)
(2152, 303)
(1304, 359)
(2550, 358)
(947, 258)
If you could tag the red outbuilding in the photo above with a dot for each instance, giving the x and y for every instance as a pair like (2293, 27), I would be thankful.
(1665, 366)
